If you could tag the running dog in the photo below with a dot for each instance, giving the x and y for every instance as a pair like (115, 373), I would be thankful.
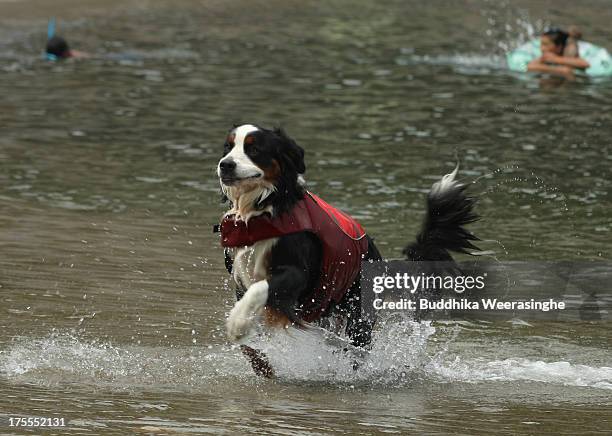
(294, 258)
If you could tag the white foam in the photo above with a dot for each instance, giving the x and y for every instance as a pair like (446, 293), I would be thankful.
(65, 356)
(521, 369)
(465, 63)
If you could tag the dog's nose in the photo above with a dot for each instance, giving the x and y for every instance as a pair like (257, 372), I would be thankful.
(227, 166)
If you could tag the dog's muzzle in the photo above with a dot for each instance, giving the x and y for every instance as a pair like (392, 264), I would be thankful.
(227, 171)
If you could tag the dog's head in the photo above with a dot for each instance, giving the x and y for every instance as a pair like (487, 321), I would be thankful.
(260, 168)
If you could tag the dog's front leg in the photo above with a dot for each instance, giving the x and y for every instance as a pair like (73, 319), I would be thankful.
(244, 312)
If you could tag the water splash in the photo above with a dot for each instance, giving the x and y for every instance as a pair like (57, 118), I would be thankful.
(530, 192)
(468, 63)
(507, 28)
(399, 350)
(401, 354)
(64, 357)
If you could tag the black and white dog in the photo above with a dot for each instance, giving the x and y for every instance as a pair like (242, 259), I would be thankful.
(282, 242)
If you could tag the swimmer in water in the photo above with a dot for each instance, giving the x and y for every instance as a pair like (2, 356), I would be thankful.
(57, 48)
(560, 55)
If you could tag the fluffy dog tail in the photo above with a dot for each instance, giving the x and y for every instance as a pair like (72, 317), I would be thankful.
(449, 209)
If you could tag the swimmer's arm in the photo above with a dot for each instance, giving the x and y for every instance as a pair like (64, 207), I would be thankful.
(537, 66)
(574, 62)
(79, 54)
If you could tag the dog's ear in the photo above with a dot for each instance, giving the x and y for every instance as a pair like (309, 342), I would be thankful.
(294, 152)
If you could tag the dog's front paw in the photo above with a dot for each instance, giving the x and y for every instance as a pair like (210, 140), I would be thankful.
(242, 317)
(240, 321)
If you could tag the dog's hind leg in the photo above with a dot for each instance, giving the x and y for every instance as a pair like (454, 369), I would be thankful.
(359, 326)
(359, 323)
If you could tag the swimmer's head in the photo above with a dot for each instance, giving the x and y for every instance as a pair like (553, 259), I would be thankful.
(553, 40)
(58, 47)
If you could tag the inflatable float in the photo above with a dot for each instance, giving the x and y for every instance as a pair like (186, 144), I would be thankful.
(598, 57)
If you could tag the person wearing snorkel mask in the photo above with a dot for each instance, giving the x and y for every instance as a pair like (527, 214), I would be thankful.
(560, 56)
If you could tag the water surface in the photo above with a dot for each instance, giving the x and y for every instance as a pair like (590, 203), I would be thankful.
(113, 290)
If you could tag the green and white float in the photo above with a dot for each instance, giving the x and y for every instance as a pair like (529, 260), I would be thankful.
(598, 57)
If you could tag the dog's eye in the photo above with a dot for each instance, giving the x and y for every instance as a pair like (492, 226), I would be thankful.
(253, 150)
(229, 142)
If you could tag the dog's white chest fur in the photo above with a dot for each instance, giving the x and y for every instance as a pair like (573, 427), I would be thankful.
(250, 263)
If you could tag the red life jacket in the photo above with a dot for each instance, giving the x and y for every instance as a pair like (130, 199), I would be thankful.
(342, 238)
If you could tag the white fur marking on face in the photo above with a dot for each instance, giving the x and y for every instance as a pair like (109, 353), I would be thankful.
(247, 195)
(242, 316)
(244, 165)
